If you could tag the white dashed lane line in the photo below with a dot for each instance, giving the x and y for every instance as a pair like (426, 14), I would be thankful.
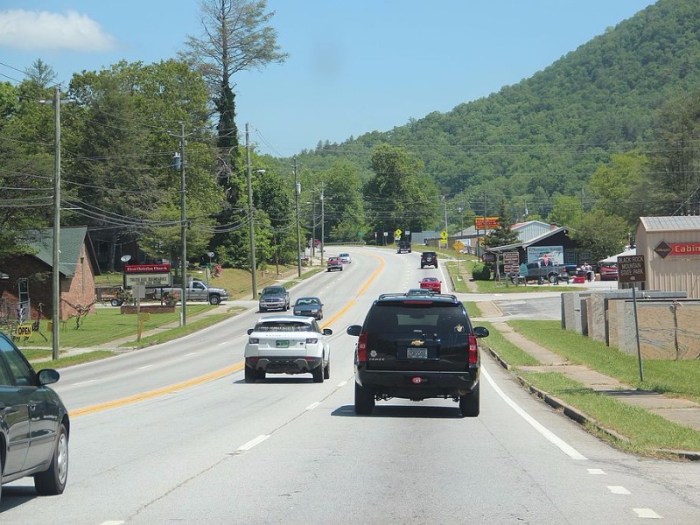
(647, 514)
(615, 489)
(252, 443)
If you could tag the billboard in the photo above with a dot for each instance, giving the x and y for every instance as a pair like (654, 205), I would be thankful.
(553, 253)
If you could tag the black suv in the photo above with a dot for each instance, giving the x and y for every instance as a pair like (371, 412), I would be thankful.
(428, 259)
(404, 247)
(417, 348)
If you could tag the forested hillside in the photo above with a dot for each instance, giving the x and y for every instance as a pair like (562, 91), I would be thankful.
(546, 135)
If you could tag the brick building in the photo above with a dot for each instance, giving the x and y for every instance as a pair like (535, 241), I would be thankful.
(28, 278)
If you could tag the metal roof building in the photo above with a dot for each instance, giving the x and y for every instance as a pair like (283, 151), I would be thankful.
(671, 250)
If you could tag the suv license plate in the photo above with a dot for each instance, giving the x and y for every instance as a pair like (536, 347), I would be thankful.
(282, 343)
(417, 353)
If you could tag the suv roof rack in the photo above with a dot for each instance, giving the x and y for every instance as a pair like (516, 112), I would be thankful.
(404, 295)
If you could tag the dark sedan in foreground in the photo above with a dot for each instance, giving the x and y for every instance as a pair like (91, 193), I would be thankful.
(310, 307)
(34, 424)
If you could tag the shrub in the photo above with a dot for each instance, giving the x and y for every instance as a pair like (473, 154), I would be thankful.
(481, 272)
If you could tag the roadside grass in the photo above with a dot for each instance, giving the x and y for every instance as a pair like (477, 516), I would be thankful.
(460, 272)
(472, 309)
(510, 353)
(105, 325)
(640, 432)
(673, 378)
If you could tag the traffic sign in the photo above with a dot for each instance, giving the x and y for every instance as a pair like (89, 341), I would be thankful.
(443, 235)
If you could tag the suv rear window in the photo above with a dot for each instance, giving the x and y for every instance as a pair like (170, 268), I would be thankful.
(405, 315)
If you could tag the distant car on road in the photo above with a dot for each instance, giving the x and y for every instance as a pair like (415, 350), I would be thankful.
(287, 344)
(345, 258)
(404, 247)
(431, 283)
(309, 307)
(428, 259)
(334, 263)
(274, 298)
(421, 292)
(34, 424)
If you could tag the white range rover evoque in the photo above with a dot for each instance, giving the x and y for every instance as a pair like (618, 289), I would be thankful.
(287, 344)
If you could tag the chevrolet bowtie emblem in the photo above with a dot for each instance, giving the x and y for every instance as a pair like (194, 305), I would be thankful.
(417, 342)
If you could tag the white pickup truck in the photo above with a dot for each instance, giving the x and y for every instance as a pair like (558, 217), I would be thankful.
(196, 291)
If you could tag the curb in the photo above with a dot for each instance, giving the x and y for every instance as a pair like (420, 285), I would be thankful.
(582, 418)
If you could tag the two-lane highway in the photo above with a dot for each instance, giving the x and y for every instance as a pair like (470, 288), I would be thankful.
(288, 450)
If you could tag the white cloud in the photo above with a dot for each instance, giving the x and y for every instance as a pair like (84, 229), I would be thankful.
(42, 30)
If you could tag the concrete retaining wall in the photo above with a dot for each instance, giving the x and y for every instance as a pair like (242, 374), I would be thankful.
(667, 329)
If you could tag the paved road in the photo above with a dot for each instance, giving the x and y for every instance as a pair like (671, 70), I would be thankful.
(292, 451)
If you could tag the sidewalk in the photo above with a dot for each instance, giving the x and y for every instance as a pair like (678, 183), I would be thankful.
(680, 411)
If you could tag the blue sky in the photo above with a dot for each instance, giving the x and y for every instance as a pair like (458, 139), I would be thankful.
(355, 66)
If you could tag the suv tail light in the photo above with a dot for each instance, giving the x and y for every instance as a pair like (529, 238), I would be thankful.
(362, 348)
(473, 350)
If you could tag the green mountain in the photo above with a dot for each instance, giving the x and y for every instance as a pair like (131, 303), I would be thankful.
(546, 135)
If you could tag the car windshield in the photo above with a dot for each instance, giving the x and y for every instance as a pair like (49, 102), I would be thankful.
(307, 301)
(283, 326)
(273, 291)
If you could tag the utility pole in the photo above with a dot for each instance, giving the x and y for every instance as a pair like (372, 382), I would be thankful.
(183, 226)
(251, 212)
(322, 223)
(56, 281)
(445, 200)
(297, 192)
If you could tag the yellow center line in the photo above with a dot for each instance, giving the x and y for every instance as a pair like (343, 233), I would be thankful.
(217, 374)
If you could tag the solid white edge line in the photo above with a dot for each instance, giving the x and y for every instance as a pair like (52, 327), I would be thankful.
(253, 442)
(546, 433)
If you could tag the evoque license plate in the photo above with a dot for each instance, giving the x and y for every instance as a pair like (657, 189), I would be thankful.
(417, 353)
(280, 343)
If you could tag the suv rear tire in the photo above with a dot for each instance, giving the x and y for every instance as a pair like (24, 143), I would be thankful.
(364, 401)
(469, 404)
(318, 373)
(250, 375)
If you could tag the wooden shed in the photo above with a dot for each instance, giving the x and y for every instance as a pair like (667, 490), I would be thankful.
(671, 249)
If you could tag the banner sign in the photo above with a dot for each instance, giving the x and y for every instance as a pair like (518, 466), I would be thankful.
(678, 249)
(486, 223)
(147, 268)
(153, 280)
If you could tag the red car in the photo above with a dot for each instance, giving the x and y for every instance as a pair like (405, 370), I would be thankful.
(431, 283)
(608, 271)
